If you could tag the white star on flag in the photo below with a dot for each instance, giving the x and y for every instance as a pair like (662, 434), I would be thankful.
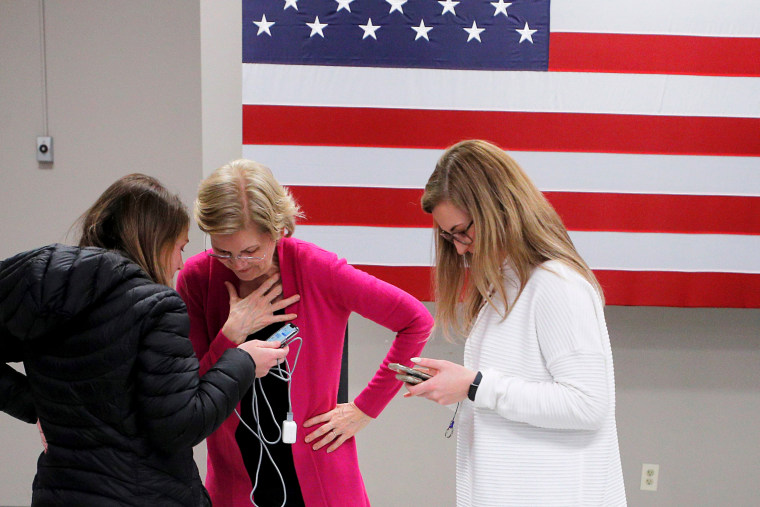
(526, 33)
(501, 7)
(474, 32)
(422, 30)
(263, 25)
(344, 4)
(448, 5)
(291, 3)
(316, 27)
(396, 5)
(369, 29)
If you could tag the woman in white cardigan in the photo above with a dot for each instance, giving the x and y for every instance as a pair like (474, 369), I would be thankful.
(537, 419)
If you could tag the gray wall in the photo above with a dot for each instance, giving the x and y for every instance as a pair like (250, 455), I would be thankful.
(155, 87)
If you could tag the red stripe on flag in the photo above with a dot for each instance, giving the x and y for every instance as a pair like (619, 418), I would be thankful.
(713, 214)
(361, 206)
(654, 54)
(413, 279)
(672, 288)
(623, 288)
(581, 211)
(568, 132)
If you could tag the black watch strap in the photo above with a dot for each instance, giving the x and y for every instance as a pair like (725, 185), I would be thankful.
(474, 386)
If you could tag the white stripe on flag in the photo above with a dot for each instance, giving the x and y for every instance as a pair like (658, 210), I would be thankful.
(645, 94)
(731, 18)
(601, 250)
(571, 172)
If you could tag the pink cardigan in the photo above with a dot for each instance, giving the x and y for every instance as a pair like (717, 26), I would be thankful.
(330, 290)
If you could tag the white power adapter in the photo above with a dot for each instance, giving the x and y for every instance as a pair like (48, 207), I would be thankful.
(289, 428)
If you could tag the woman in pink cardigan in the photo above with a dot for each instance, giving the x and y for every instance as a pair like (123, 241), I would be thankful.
(253, 280)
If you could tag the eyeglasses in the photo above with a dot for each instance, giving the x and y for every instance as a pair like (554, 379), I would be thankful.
(229, 257)
(460, 237)
(240, 257)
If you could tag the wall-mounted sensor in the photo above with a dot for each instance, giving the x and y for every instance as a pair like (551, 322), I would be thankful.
(44, 149)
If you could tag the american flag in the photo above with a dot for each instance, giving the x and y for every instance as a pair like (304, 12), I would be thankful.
(640, 121)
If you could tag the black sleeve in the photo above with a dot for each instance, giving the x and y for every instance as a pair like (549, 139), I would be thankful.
(16, 395)
(177, 408)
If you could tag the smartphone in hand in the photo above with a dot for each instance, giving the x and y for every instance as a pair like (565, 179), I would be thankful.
(409, 375)
(284, 335)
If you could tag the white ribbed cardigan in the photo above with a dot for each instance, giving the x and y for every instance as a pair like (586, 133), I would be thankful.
(541, 431)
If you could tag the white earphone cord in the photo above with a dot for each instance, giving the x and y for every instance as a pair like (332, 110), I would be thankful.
(284, 375)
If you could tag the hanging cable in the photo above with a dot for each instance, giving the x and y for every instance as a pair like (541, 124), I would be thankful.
(43, 65)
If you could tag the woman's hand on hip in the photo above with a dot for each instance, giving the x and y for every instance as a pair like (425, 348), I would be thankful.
(266, 355)
(450, 382)
(256, 310)
(339, 424)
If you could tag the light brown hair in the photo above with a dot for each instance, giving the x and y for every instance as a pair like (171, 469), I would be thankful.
(513, 222)
(140, 218)
(244, 193)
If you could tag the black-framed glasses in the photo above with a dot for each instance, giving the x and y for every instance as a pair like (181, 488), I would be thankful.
(459, 237)
(229, 256)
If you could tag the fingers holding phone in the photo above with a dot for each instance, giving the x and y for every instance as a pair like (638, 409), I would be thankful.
(266, 355)
(448, 385)
(408, 375)
(285, 335)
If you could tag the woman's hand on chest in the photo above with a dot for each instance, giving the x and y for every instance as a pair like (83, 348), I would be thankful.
(254, 309)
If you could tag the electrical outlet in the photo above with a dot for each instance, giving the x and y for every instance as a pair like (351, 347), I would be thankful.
(649, 475)
(44, 149)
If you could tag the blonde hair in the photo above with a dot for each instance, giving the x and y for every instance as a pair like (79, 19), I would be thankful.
(244, 193)
(513, 222)
(141, 219)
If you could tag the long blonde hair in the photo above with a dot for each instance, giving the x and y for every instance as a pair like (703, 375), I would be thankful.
(513, 221)
(243, 193)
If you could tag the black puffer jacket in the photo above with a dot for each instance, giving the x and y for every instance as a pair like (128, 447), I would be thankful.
(112, 377)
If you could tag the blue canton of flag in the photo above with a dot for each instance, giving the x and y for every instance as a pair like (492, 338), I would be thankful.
(465, 34)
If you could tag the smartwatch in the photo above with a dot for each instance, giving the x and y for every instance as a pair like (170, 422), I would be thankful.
(474, 386)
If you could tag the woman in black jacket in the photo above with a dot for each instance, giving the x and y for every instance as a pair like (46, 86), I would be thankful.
(110, 373)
